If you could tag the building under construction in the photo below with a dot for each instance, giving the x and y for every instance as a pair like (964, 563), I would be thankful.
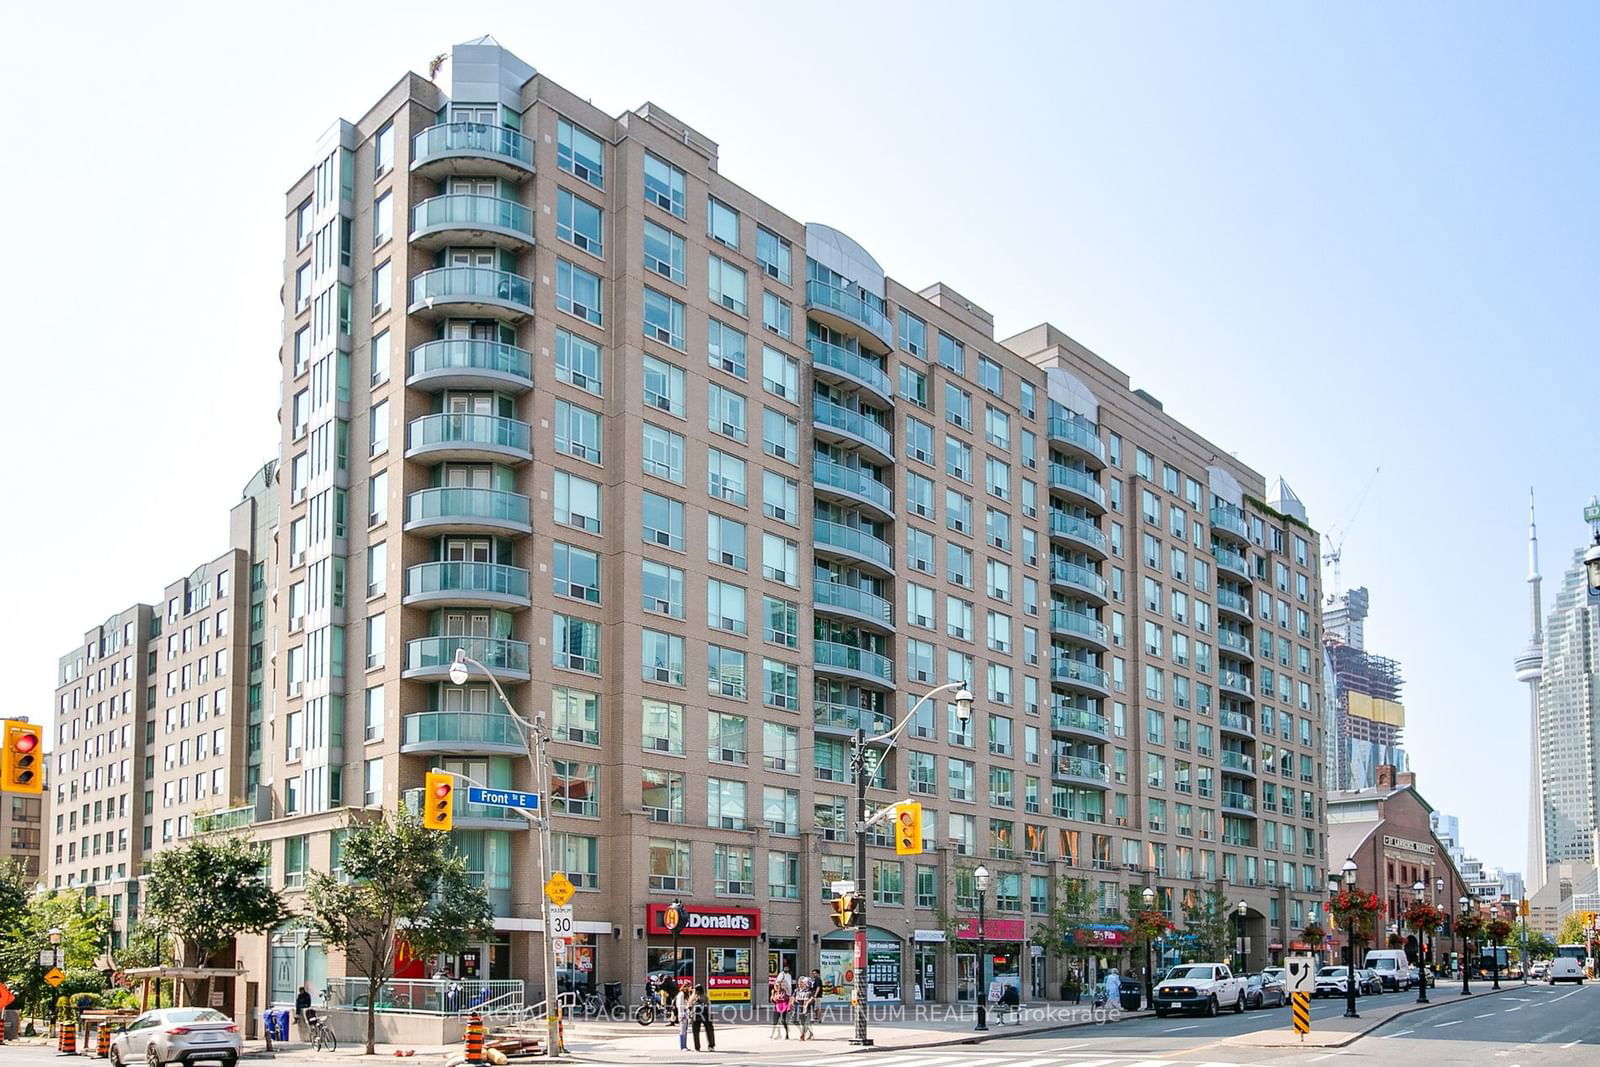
(1365, 715)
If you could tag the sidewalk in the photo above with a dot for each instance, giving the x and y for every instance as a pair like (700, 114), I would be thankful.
(1337, 1031)
(424, 1055)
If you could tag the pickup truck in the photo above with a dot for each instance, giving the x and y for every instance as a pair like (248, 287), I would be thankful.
(1203, 987)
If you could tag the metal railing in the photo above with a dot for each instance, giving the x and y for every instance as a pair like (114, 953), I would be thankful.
(1080, 482)
(461, 727)
(1067, 669)
(1065, 573)
(472, 283)
(463, 353)
(852, 539)
(495, 653)
(849, 598)
(462, 576)
(427, 996)
(852, 365)
(1065, 525)
(848, 657)
(477, 138)
(446, 428)
(470, 210)
(831, 298)
(460, 502)
(852, 480)
(854, 423)
(1078, 432)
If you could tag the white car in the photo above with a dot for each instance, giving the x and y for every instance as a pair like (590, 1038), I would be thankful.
(1203, 987)
(177, 1035)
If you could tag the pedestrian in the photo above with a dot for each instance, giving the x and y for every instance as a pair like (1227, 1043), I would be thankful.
(680, 1004)
(816, 995)
(804, 994)
(700, 1010)
(1113, 987)
(781, 1004)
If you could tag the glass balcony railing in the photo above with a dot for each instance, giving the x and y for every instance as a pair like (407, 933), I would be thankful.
(1067, 669)
(856, 482)
(1064, 573)
(1065, 620)
(850, 306)
(1229, 560)
(830, 715)
(472, 139)
(1064, 525)
(1231, 521)
(456, 503)
(849, 598)
(468, 284)
(1069, 718)
(1234, 681)
(1239, 801)
(851, 365)
(1080, 482)
(850, 658)
(227, 819)
(1081, 767)
(857, 425)
(469, 729)
(1234, 642)
(461, 576)
(470, 211)
(464, 354)
(1234, 602)
(1078, 433)
(1237, 721)
(495, 653)
(447, 428)
(1238, 761)
(850, 539)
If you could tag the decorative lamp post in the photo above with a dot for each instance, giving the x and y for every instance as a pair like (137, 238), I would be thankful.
(1467, 924)
(1424, 919)
(1242, 909)
(981, 878)
(1497, 929)
(55, 961)
(1148, 896)
(1591, 562)
(1354, 913)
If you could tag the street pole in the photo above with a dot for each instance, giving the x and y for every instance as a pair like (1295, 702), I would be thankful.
(533, 740)
(983, 1014)
(1466, 953)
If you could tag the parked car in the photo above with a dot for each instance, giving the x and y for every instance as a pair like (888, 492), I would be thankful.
(1367, 981)
(1539, 969)
(1264, 991)
(177, 1035)
(1331, 982)
(1279, 973)
(1203, 987)
(1392, 966)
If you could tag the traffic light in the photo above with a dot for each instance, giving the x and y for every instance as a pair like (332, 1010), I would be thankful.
(908, 829)
(438, 801)
(844, 910)
(22, 757)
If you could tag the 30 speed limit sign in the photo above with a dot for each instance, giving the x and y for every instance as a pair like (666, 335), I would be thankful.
(561, 922)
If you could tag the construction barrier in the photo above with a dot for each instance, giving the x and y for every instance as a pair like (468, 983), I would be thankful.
(103, 1040)
(69, 1038)
(474, 1039)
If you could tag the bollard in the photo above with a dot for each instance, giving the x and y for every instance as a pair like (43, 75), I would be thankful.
(69, 1038)
(103, 1042)
(474, 1040)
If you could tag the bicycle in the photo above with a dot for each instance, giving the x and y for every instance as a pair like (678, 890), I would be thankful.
(322, 1036)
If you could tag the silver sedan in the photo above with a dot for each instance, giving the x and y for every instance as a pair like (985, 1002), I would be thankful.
(177, 1035)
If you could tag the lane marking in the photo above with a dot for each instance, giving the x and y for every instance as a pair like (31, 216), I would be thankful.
(1564, 996)
(1175, 1029)
(1452, 1022)
(1391, 1037)
(1485, 1015)
(1519, 1007)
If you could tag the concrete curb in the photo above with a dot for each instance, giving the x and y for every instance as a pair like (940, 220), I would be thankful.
(1357, 1035)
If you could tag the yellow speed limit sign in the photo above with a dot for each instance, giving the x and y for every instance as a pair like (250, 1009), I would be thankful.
(559, 889)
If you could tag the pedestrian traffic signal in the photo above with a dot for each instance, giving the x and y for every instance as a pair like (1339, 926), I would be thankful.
(844, 910)
(438, 801)
(908, 829)
(21, 757)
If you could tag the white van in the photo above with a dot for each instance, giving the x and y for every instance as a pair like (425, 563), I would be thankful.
(1567, 966)
(1392, 967)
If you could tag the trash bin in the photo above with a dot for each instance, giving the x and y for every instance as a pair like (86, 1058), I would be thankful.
(1132, 993)
(276, 1023)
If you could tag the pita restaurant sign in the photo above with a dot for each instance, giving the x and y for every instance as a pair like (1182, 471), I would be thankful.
(705, 922)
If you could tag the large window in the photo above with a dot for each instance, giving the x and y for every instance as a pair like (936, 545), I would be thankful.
(663, 252)
(578, 292)
(577, 431)
(578, 361)
(722, 222)
(669, 866)
(664, 319)
(576, 643)
(662, 657)
(663, 386)
(577, 502)
(580, 154)
(663, 185)
(578, 222)
(663, 727)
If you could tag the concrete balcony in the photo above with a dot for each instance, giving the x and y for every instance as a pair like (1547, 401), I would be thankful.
(470, 219)
(1077, 437)
(460, 582)
(471, 292)
(472, 148)
(464, 363)
(1078, 579)
(842, 366)
(1078, 485)
(1077, 532)
(451, 436)
(847, 312)
(431, 657)
(461, 733)
(456, 509)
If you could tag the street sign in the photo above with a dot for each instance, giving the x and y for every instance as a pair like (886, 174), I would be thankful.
(842, 887)
(47, 957)
(6, 996)
(559, 889)
(503, 798)
(561, 921)
(561, 952)
(216, 998)
(1301, 976)
(54, 976)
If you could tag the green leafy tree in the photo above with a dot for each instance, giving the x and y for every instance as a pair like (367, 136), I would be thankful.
(1540, 947)
(396, 876)
(1209, 921)
(85, 925)
(1076, 908)
(1570, 932)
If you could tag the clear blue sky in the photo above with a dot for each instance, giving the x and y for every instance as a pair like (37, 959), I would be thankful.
(1371, 227)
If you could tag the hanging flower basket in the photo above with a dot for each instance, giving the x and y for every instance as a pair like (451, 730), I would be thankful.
(1499, 930)
(1423, 917)
(1356, 910)
(1469, 925)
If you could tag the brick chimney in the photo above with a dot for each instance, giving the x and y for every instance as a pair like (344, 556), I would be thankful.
(1385, 776)
(1405, 778)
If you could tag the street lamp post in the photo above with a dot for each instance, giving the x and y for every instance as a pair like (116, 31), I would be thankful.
(534, 740)
(858, 767)
(55, 961)
(1148, 897)
(1241, 910)
(981, 878)
(1422, 949)
(1349, 871)
(1466, 948)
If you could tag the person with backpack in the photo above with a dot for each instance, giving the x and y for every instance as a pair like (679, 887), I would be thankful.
(700, 1016)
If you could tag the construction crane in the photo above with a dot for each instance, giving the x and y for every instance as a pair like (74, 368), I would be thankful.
(1334, 539)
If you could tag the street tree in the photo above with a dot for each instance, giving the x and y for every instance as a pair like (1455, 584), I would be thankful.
(1570, 932)
(1208, 920)
(84, 922)
(1063, 931)
(397, 881)
(1540, 947)
(205, 894)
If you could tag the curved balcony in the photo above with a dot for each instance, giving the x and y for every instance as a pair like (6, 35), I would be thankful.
(1238, 804)
(1079, 485)
(1078, 532)
(1236, 722)
(1064, 670)
(846, 311)
(430, 657)
(1075, 625)
(448, 436)
(454, 509)
(841, 365)
(1236, 643)
(463, 733)
(836, 539)
(1075, 722)
(839, 425)
(477, 148)
(1230, 522)
(1078, 437)
(852, 485)
(1232, 562)
(841, 720)
(1237, 763)
(1081, 770)
(1079, 579)
(832, 657)
(1233, 603)
(461, 582)
(469, 816)
(836, 598)
(476, 292)
(463, 363)
(468, 218)
(1235, 682)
